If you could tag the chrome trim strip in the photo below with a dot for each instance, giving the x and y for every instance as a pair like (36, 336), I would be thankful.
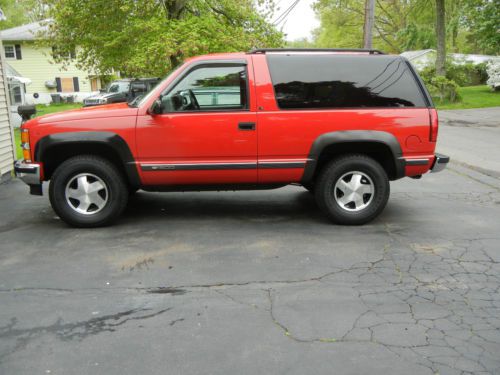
(282, 165)
(222, 166)
(197, 166)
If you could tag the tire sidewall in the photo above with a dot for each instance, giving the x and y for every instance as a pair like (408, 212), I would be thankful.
(326, 189)
(71, 168)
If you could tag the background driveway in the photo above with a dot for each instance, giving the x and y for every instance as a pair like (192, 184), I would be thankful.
(256, 282)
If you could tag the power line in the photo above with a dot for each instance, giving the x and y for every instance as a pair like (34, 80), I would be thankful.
(286, 13)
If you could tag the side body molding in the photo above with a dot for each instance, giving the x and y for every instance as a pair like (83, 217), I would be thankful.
(342, 137)
(104, 138)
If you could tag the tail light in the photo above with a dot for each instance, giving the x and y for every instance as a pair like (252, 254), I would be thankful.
(434, 124)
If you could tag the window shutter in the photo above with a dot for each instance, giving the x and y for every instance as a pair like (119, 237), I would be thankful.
(58, 83)
(76, 85)
(18, 52)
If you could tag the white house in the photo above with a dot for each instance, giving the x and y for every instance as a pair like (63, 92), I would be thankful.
(34, 63)
(7, 149)
(422, 58)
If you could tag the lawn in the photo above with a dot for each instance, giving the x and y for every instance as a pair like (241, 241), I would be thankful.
(474, 97)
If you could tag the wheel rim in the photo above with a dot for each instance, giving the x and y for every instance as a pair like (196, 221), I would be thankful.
(354, 191)
(86, 194)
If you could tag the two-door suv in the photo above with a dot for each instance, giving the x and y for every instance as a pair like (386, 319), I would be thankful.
(342, 123)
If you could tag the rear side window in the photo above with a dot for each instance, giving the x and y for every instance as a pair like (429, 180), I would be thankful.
(342, 81)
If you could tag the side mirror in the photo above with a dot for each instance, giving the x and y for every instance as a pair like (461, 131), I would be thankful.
(156, 108)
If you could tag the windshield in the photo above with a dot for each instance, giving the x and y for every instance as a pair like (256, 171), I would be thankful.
(118, 87)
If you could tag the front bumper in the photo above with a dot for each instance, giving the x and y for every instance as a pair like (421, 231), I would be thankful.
(440, 162)
(28, 172)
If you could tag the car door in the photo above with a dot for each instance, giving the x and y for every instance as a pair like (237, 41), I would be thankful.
(205, 133)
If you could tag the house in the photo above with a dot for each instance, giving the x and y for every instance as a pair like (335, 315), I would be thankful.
(421, 59)
(34, 62)
(7, 149)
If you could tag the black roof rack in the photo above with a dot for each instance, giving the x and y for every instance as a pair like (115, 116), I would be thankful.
(264, 50)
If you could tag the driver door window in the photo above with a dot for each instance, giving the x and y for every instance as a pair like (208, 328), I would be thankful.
(216, 88)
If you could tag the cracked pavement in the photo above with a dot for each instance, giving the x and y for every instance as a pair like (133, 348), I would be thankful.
(249, 282)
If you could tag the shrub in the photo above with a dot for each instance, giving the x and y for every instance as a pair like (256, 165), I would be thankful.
(493, 70)
(467, 74)
(443, 89)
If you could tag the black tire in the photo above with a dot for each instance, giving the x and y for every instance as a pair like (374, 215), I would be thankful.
(325, 192)
(116, 194)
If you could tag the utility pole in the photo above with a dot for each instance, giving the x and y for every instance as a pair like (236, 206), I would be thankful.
(369, 21)
(441, 38)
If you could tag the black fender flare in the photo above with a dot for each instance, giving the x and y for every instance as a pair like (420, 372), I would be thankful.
(106, 138)
(350, 136)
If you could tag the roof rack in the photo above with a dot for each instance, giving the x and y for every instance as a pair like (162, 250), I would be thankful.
(264, 50)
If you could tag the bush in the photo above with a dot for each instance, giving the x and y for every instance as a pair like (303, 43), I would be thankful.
(493, 69)
(443, 89)
(467, 74)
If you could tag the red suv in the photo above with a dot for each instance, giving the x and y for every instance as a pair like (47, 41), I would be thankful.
(342, 123)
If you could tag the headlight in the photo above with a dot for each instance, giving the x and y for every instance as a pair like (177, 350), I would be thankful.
(103, 101)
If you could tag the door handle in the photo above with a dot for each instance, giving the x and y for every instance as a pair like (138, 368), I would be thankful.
(246, 126)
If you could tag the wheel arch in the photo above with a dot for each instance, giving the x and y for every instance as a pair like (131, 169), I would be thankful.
(54, 149)
(382, 146)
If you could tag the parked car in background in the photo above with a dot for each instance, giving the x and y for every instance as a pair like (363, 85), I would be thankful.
(123, 90)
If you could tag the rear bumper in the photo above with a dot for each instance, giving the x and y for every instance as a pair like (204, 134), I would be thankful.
(28, 172)
(440, 162)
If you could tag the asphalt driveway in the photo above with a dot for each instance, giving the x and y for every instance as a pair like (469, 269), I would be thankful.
(256, 282)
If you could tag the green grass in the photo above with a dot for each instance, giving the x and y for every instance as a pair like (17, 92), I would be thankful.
(41, 110)
(17, 136)
(474, 97)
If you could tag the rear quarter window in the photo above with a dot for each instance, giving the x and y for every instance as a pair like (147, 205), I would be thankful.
(343, 81)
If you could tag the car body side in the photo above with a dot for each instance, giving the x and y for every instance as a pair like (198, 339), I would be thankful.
(287, 146)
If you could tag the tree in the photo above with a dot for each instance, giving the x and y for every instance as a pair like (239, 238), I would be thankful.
(481, 18)
(441, 38)
(368, 25)
(150, 37)
(398, 24)
(20, 12)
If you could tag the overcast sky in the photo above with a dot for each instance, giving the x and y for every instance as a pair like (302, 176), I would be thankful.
(300, 22)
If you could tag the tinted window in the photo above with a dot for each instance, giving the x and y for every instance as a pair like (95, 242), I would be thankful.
(119, 86)
(209, 88)
(342, 81)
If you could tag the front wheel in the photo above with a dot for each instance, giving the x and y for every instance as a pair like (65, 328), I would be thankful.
(88, 191)
(352, 189)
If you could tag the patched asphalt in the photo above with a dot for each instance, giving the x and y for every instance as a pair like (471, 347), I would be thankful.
(256, 282)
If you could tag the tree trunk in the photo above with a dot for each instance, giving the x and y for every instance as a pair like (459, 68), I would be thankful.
(368, 26)
(441, 38)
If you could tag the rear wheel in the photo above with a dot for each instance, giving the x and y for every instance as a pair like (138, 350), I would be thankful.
(352, 189)
(88, 191)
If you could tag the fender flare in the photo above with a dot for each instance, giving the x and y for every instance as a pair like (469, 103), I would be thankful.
(350, 136)
(108, 139)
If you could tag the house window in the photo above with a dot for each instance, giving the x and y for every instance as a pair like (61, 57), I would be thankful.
(13, 51)
(95, 84)
(57, 54)
(16, 93)
(68, 84)
(10, 52)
